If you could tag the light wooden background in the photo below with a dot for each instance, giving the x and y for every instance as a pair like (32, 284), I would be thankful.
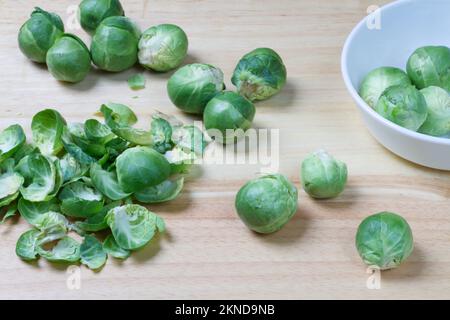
(208, 253)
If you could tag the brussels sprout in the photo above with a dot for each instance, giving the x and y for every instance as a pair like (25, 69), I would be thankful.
(39, 34)
(228, 112)
(93, 12)
(267, 203)
(192, 86)
(260, 74)
(438, 120)
(114, 46)
(163, 48)
(133, 226)
(11, 140)
(403, 105)
(69, 59)
(379, 80)
(323, 176)
(141, 167)
(384, 240)
(430, 66)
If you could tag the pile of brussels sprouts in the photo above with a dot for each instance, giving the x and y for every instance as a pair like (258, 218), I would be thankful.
(267, 203)
(84, 178)
(117, 42)
(418, 99)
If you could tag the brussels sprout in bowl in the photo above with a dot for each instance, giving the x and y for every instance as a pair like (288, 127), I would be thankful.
(368, 48)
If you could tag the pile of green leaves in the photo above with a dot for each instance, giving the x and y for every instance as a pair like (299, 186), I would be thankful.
(84, 178)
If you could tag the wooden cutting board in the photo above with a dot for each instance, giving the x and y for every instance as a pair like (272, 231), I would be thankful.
(208, 253)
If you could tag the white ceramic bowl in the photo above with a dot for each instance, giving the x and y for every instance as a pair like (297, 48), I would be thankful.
(405, 26)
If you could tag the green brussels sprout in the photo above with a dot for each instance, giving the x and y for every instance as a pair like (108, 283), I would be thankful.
(323, 176)
(227, 112)
(163, 48)
(141, 167)
(438, 121)
(114, 46)
(192, 86)
(384, 240)
(93, 12)
(69, 59)
(379, 80)
(430, 66)
(39, 34)
(260, 74)
(403, 105)
(267, 203)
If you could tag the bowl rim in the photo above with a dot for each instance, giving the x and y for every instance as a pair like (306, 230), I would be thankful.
(362, 104)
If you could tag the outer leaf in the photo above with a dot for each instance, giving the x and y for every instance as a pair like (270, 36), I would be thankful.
(75, 151)
(11, 212)
(41, 214)
(123, 115)
(166, 191)
(26, 245)
(132, 226)
(136, 82)
(112, 248)
(97, 132)
(80, 200)
(92, 253)
(66, 250)
(71, 169)
(47, 127)
(190, 138)
(161, 131)
(10, 184)
(11, 140)
(98, 221)
(106, 182)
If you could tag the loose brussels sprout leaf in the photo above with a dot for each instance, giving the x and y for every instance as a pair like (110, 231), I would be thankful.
(11, 140)
(190, 138)
(112, 248)
(75, 151)
(403, 105)
(180, 160)
(25, 150)
(191, 87)
(430, 66)
(133, 226)
(8, 200)
(79, 200)
(11, 212)
(379, 80)
(136, 82)
(228, 112)
(93, 12)
(122, 114)
(260, 74)
(165, 191)
(71, 169)
(40, 175)
(10, 184)
(384, 240)
(39, 34)
(26, 245)
(114, 46)
(438, 120)
(98, 221)
(162, 48)
(267, 203)
(69, 59)
(66, 250)
(161, 131)
(47, 127)
(133, 135)
(106, 182)
(141, 167)
(322, 176)
(78, 136)
(41, 214)
(92, 254)
(98, 132)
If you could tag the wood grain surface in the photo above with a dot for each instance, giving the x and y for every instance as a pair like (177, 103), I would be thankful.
(208, 253)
